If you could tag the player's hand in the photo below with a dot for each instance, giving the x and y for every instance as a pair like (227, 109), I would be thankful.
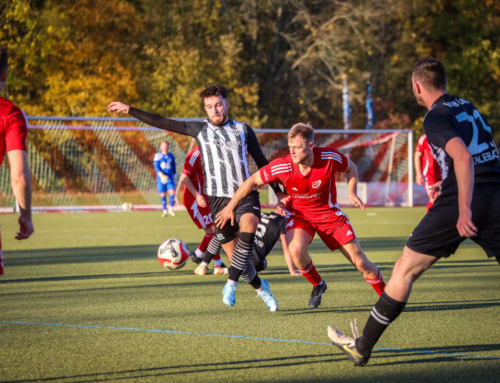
(163, 178)
(464, 225)
(356, 201)
(295, 273)
(419, 179)
(283, 199)
(25, 228)
(201, 200)
(225, 215)
(118, 107)
(433, 190)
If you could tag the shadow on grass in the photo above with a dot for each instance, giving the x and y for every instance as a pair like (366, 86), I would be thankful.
(189, 369)
(435, 354)
(411, 307)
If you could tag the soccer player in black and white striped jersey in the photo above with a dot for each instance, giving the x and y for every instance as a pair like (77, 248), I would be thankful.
(224, 145)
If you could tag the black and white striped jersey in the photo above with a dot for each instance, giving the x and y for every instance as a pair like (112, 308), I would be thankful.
(223, 148)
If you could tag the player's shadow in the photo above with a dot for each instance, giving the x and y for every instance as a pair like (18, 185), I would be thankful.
(185, 369)
(462, 353)
(411, 307)
(81, 255)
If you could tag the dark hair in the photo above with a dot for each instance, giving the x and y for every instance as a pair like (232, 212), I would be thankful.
(431, 73)
(306, 131)
(3, 60)
(214, 90)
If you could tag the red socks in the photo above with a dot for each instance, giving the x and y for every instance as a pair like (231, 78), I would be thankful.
(310, 273)
(377, 283)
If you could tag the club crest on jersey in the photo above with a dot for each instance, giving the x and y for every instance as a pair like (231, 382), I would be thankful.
(316, 184)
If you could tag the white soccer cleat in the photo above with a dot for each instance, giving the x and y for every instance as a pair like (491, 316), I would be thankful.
(171, 211)
(221, 270)
(268, 298)
(201, 270)
(165, 213)
(348, 344)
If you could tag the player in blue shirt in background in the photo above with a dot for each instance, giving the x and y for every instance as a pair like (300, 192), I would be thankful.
(165, 167)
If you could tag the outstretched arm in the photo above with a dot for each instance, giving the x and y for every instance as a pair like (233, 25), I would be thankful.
(352, 185)
(149, 118)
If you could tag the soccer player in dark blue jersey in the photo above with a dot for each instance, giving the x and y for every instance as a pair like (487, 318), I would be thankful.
(467, 203)
(164, 163)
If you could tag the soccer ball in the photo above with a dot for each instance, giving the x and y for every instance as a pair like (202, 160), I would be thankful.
(173, 254)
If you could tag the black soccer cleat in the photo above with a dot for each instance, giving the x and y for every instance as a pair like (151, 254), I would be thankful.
(348, 345)
(316, 294)
(195, 259)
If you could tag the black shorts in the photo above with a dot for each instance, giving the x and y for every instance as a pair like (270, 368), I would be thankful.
(437, 234)
(249, 204)
(258, 260)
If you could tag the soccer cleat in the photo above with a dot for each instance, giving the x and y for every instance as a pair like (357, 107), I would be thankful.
(221, 270)
(348, 344)
(195, 258)
(201, 270)
(171, 211)
(229, 295)
(268, 298)
(316, 295)
(165, 213)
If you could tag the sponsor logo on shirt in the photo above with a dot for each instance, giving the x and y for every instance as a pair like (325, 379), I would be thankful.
(316, 184)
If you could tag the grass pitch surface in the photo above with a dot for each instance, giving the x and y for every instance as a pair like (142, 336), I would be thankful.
(85, 300)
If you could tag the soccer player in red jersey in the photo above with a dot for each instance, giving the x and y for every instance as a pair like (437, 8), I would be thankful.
(196, 205)
(427, 169)
(308, 174)
(13, 133)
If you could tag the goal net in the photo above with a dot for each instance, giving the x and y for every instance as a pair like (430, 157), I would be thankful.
(104, 163)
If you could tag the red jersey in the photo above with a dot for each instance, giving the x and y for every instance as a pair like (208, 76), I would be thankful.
(13, 128)
(314, 196)
(194, 170)
(430, 167)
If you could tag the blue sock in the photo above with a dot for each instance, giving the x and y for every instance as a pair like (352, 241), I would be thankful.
(164, 202)
(171, 200)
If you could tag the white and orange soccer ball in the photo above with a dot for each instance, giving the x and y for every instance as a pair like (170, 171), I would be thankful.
(173, 254)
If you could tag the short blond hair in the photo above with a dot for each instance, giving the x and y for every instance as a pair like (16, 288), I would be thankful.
(306, 131)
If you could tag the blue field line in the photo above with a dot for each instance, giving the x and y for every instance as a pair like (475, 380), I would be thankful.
(251, 338)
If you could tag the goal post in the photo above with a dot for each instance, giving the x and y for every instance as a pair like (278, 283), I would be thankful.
(81, 164)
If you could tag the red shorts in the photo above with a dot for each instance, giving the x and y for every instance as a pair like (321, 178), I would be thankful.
(201, 216)
(334, 234)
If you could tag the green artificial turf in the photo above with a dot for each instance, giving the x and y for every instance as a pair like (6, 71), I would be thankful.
(92, 303)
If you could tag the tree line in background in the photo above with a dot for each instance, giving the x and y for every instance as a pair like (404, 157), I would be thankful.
(282, 60)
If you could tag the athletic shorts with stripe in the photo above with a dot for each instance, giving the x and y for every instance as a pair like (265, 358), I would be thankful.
(201, 216)
(334, 234)
(437, 234)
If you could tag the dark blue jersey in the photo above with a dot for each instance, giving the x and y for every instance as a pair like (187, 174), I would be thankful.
(451, 117)
(268, 233)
